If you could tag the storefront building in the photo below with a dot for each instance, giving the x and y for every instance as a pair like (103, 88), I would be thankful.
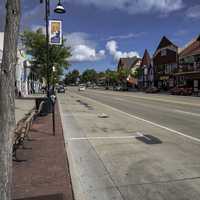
(188, 72)
(165, 62)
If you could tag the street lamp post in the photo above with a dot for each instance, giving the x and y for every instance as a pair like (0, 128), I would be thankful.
(60, 10)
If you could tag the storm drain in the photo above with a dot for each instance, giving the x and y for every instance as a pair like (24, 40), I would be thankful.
(85, 104)
(148, 139)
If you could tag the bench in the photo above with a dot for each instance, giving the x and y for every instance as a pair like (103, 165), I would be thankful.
(22, 130)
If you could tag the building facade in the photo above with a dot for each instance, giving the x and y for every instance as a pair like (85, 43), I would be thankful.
(24, 81)
(147, 75)
(130, 66)
(188, 71)
(165, 62)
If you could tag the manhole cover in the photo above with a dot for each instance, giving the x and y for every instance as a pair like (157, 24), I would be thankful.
(148, 139)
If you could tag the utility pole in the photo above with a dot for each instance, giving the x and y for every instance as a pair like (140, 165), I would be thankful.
(7, 96)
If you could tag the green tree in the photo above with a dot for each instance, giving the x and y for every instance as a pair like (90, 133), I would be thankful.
(137, 73)
(101, 75)
(89, 75)
(72, 77)
(111, 77)
(35, 45)
(123, 75)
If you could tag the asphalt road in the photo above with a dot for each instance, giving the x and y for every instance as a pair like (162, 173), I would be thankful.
(146, 149)
(178, 113)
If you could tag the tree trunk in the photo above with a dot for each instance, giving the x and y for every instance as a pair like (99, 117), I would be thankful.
(7, 96)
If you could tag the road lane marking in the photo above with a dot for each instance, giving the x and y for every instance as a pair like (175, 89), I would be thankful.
(164, 109)
(144, 120)
(137, 134)
(151, 98)
(188, 113)
(102, 138)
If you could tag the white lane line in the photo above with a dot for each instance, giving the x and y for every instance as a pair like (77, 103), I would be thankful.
(168, 110)
(187, 113)
(107, 138)
(137, 134)
(160, 99)
(144, 120)
(102, 138)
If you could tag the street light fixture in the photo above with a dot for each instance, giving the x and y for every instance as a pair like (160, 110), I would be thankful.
(59, 8)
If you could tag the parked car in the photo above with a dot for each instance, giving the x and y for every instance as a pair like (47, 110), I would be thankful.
(61, 89)
(181, 90)
(152, 90)
(82, 87)
(117, 88)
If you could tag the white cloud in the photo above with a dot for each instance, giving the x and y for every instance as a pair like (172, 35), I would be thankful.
(193, 12)
(136, 6)
(82, 48)
(181, 33)
(112, 47)
(128, 36)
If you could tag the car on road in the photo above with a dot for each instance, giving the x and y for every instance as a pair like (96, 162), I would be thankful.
(82, 87)
(61, 89)
(181, 90)
(152, 90)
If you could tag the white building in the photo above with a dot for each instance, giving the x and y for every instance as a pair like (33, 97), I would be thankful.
(22, 72)
(1, 45)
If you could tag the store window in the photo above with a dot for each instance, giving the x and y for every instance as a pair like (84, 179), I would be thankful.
(163, 52)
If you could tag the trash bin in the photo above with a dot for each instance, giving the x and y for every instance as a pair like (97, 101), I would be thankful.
(47, 106)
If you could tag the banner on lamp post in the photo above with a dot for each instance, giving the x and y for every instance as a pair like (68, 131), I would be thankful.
(55, 32)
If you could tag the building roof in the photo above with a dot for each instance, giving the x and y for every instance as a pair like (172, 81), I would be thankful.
(192, 48)
(164, 43)
(127, 63)
(146, 60)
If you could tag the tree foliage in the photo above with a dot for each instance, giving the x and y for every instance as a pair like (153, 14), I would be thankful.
(72, 77)
(137, 73)
(35, 45)
(123, 74)
(89, 75)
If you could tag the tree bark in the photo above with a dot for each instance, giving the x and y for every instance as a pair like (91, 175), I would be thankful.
(7, 96)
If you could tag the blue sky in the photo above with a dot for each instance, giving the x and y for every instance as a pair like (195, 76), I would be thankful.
(101, 31)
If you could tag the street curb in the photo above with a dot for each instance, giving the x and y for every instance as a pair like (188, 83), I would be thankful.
(75, 184)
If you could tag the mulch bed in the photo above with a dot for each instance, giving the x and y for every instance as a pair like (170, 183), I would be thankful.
(44, 175)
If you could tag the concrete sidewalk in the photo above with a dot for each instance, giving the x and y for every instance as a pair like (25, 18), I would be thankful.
(123, 158)
(22, 107)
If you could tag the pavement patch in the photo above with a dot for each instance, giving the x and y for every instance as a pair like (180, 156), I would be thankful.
(85, 104)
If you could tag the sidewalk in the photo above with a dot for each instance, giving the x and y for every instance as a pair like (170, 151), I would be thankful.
(45, 174)
(22, 107)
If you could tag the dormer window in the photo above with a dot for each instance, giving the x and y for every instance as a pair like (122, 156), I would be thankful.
(163, 52)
